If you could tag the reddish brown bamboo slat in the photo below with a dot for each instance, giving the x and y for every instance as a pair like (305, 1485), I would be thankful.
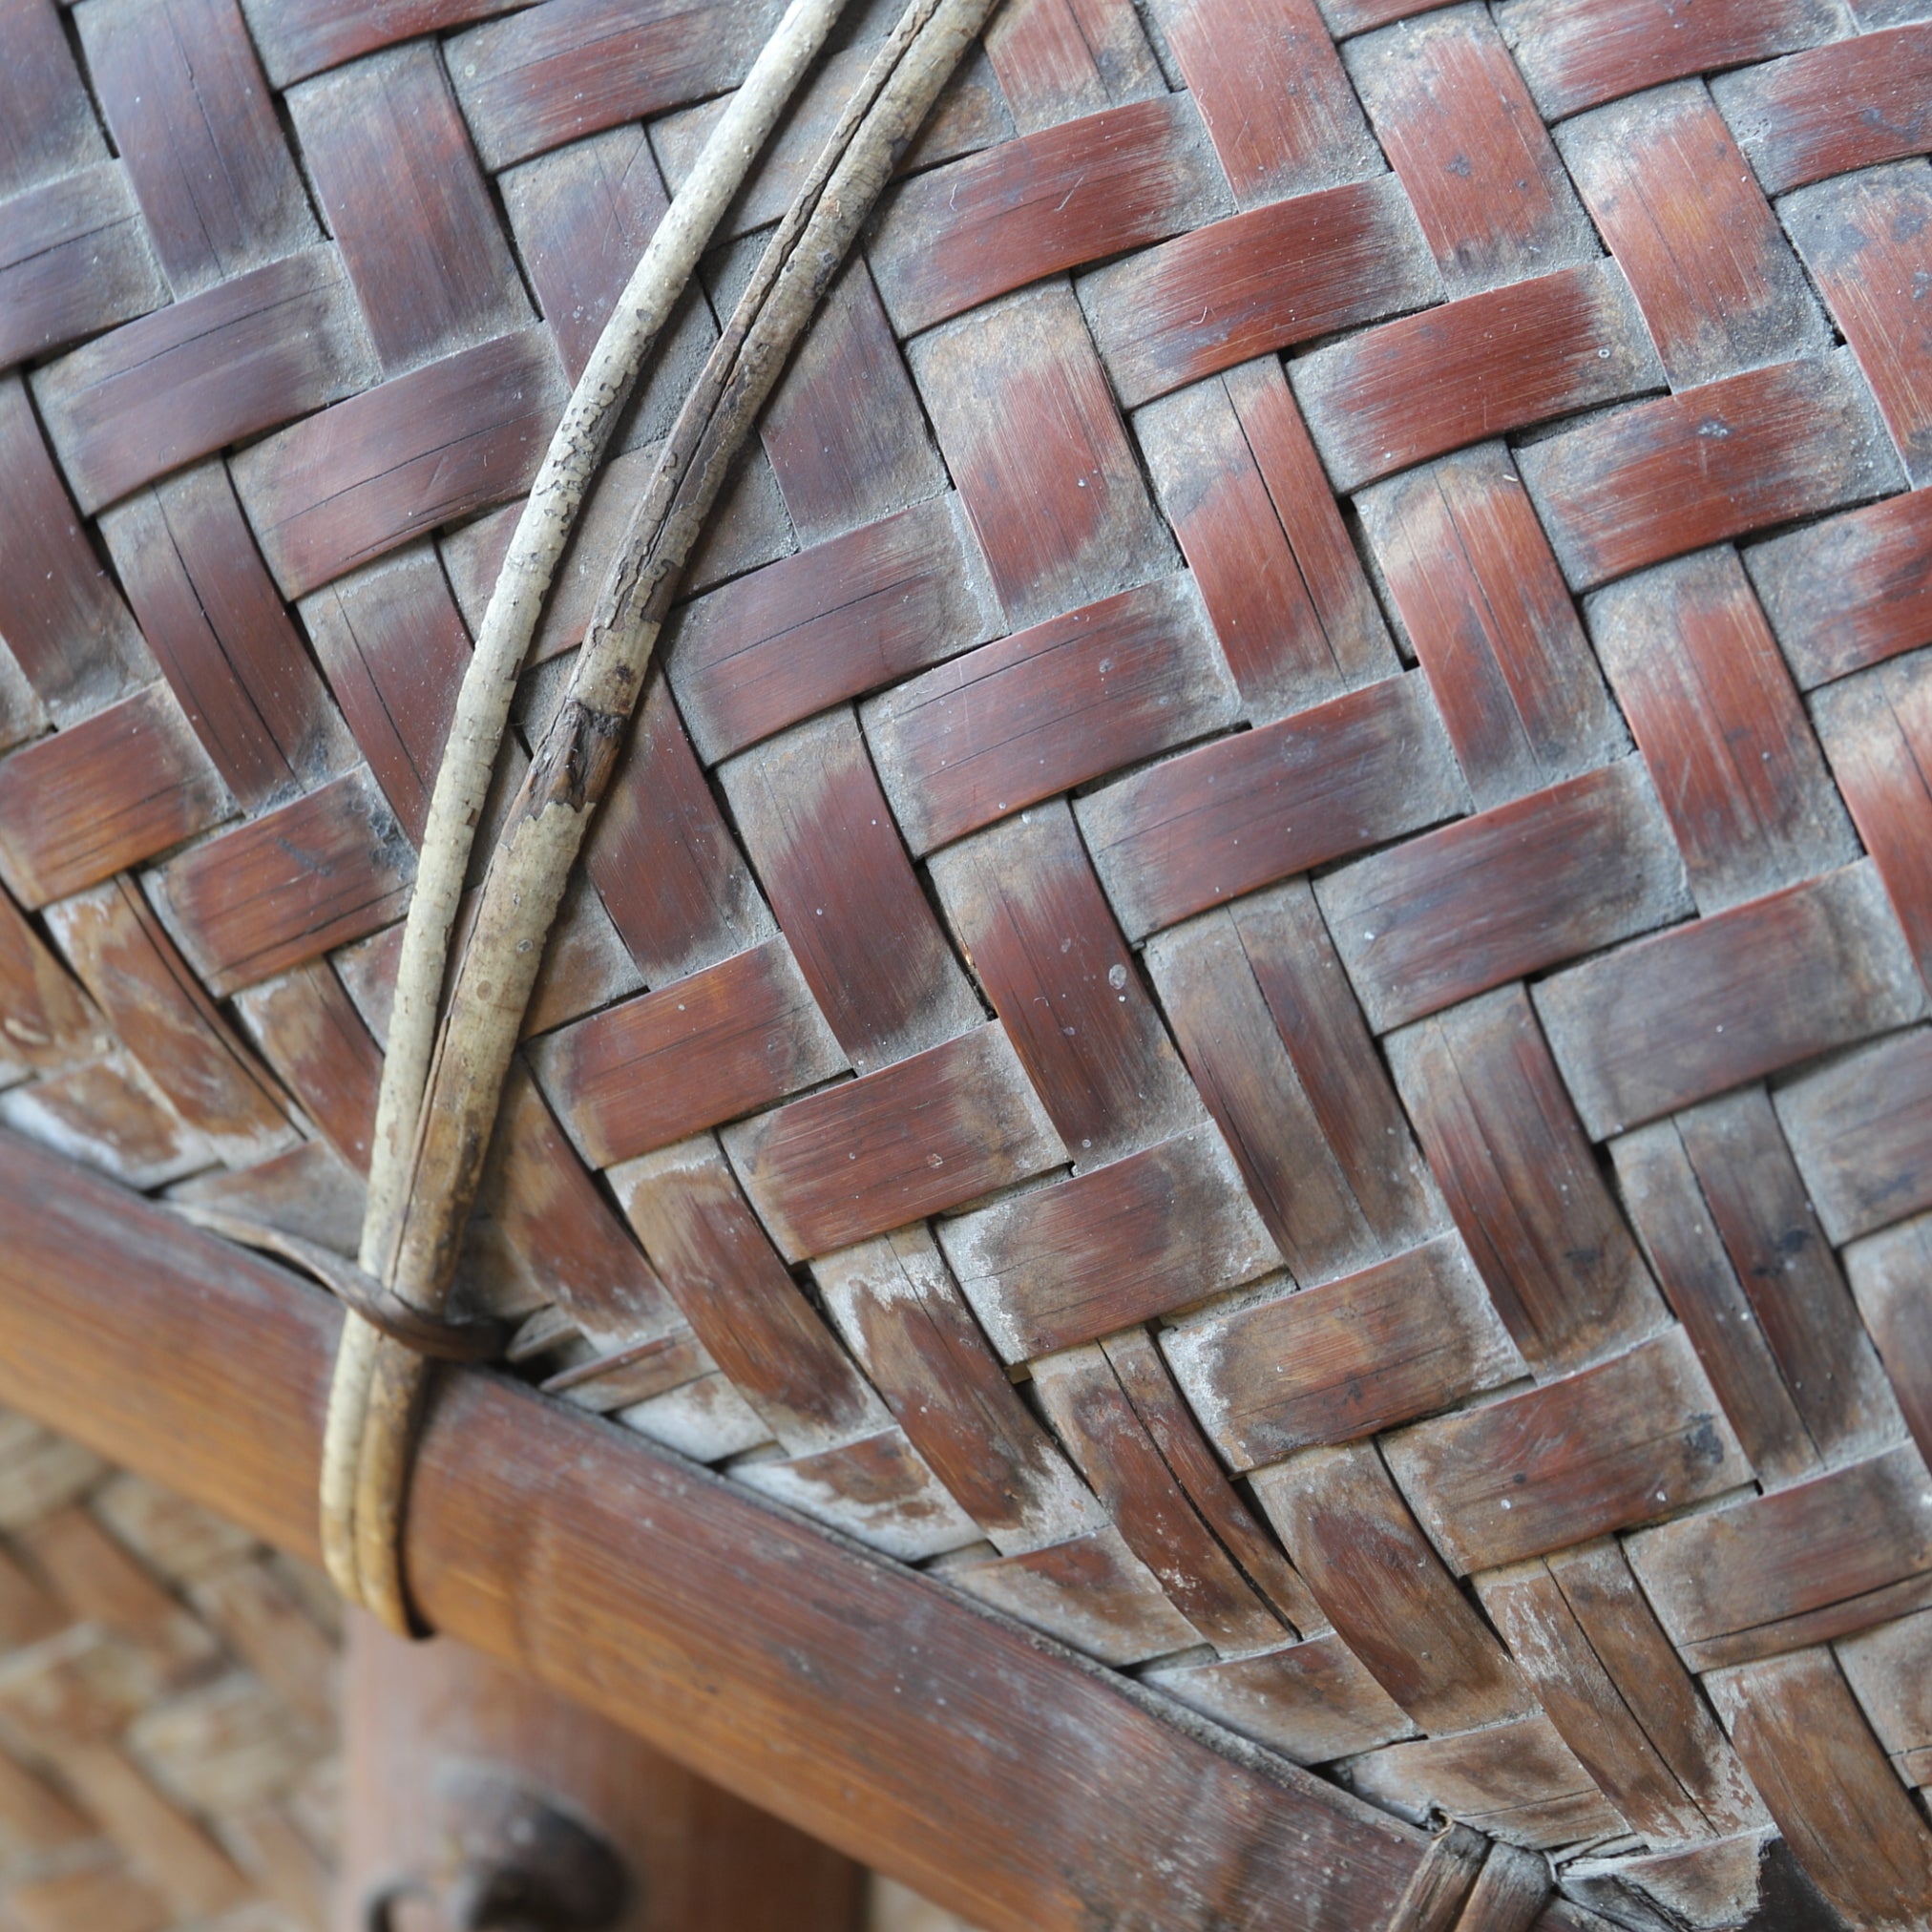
(816, 827)
(1862, 1134)
(1472, 575)
(220, 634)
(311, 1033)
(1815, 1789)
(72, 261)
(1361, 1353)
(220, 189)
(1715, 462)
(1576, 52)
(1284, 588)
(1786, 977)
(1046, 472)
(1720, 290)
(288, 886)
(530, 83)
(962, 234)
(1059, 57)
(1846, 105)
(1698, 676)
(1723, 1212)
(1383, 1587)
(1463, 138)
(1500, 360)
(1516, 1170)
(923, 1134)
(1570, 1461)
(393, 649)
(989, 733)
(61, 829)
(49, 130)
(1283, 1059)
(581, 217)
(1181, 836)
(1416, 928)
(901, 1313)
(241, 357)
(1276, 275)
(1768, 1574)
(336, 491)
(1036, 927)
(1883, 1271)
(146, 992)
(65, 623)
(705, 1048)
(1616, 1690)
(663, 859)
(1081, 1393)
(47, 1021)
(1275, 99)
(831, 623)
(1075, 1260)
(844, 431)
(397, 180)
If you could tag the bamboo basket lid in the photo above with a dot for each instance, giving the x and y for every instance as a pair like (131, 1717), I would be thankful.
(1255, 981)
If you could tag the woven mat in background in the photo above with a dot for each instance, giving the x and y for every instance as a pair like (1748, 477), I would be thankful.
(169, 1730)
(167, 1709)
(1270, 1010)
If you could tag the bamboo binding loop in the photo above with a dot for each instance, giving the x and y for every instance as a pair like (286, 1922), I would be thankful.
(1174, 861)
(469, 754)
(433, 1121)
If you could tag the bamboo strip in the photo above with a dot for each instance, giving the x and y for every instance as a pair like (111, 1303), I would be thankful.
(532, 863)
(475, 737)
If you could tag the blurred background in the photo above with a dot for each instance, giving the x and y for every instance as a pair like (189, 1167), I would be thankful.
(171, 1740)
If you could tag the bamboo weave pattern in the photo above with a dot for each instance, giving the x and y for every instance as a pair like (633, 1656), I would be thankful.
(1257, 981)
(167, 1709)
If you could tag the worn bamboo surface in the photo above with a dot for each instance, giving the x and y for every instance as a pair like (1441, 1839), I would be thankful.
(866, 1704)
(1254, 987)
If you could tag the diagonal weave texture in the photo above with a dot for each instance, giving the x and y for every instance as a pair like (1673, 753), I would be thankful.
(1256, 984)
(167, 1709)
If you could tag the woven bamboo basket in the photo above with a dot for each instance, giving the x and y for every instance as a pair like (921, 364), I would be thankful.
(1254, 982)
